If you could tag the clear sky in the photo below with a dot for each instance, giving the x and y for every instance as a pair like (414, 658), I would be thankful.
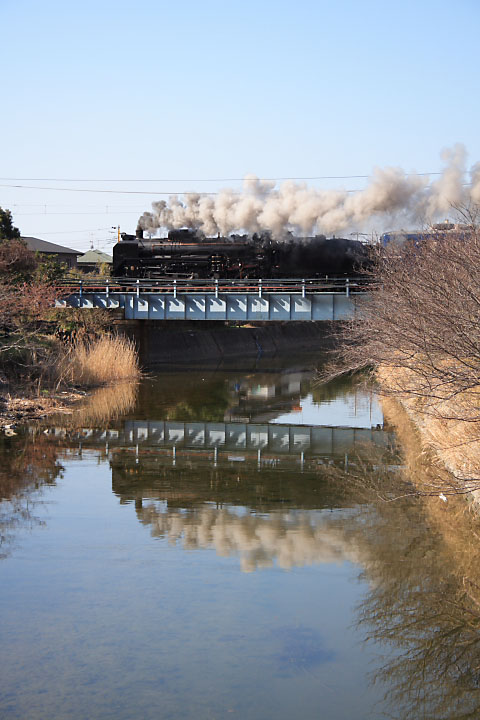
(191, 91)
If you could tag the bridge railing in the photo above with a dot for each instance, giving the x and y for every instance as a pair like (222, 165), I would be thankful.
(181, 285)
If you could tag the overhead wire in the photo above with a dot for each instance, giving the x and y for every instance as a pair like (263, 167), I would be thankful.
(117, 192)
(91, 212)
(62, 232)
(237, 179)
(159, 192)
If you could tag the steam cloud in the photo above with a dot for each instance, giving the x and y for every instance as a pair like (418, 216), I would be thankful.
(296, 207)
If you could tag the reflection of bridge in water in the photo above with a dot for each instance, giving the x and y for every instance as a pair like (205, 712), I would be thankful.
(249, 437)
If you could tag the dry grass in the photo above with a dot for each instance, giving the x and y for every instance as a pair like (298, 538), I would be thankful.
(425, 467)
(454, 442)
(111, 358)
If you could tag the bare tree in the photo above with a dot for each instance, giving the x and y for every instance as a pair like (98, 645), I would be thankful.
(420, 323)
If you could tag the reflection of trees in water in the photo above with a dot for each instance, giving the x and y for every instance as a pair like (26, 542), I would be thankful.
(198, 396)
(27, 463)
(422, 604)
(424, 598)
(342, 386)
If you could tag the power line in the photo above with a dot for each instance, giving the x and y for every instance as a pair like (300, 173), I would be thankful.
(185, 193)
(112, 211)
(117, 192)
(63, 232)
(238, 179)
(92, 212)
(44, 205)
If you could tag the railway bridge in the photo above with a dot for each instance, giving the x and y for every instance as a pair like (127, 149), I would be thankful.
(280, 300)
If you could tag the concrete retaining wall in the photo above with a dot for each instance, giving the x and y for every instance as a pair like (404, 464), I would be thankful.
(164, 342)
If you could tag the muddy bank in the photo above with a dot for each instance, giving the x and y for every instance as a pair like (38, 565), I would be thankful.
(166, 342)
(17, 409)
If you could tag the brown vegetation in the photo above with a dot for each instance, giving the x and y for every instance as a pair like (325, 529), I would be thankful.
(42, 348)
(419, 330)
(109, 358)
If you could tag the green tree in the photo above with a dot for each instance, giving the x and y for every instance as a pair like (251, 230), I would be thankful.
(7, 229)
(49, 269)
(17, 262)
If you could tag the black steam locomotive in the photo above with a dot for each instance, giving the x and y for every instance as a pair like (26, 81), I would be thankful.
(189, 254)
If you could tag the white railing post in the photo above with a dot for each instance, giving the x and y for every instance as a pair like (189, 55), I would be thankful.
(303, 288)
(260, 288)
(175, 289)
(347, 287)
(107, 288)
(216, 287)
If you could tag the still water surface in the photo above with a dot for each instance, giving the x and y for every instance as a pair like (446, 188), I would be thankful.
(210, 545)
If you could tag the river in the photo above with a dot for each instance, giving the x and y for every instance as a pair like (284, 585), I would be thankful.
(230, 542)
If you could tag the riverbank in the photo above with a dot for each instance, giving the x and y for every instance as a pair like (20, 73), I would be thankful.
(65, 377)
(448, 430)
(16, 408)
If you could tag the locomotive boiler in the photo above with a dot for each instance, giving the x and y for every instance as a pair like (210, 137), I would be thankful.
(187, 253)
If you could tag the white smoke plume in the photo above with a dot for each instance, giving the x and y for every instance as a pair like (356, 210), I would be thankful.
(295, 207)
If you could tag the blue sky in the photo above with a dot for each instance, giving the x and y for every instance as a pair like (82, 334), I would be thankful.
(192, 91)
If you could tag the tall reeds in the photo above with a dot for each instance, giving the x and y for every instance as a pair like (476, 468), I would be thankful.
(91, 363)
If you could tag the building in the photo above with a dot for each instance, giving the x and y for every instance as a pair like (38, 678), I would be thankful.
(63, 254)
(93, 259)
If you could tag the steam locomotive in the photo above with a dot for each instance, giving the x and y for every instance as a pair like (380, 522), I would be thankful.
(187, 253)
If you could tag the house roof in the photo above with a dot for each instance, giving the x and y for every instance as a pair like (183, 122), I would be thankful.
(44, 246)
(94, 256)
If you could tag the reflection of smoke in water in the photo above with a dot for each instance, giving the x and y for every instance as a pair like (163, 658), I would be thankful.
(259, 541)
(296, 207)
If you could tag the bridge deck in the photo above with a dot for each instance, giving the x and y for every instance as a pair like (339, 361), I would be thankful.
(234, 300)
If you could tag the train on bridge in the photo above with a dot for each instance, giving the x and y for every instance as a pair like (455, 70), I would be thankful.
(188, 254)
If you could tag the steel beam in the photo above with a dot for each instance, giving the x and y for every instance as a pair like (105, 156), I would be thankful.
(264, 306)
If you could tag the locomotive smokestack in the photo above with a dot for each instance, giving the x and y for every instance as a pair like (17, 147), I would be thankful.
(139, 233)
